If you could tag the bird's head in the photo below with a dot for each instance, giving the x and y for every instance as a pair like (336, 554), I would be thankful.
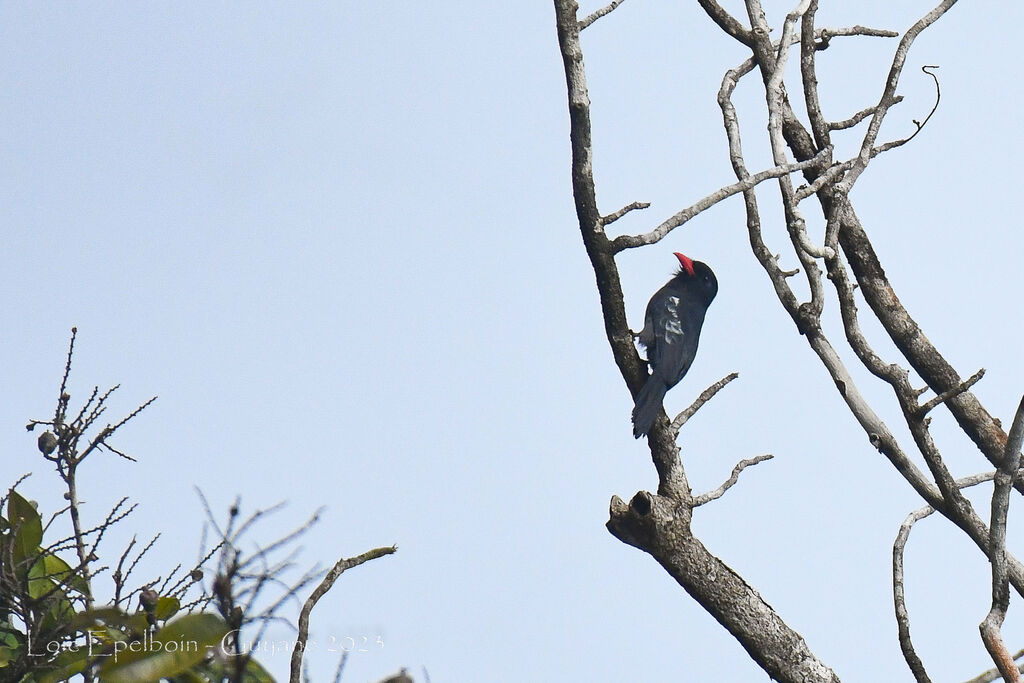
(698, 274)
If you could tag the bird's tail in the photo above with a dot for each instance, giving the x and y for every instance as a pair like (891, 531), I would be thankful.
(648, 405)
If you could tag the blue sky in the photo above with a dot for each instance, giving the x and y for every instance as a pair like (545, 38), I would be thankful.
(338, 241)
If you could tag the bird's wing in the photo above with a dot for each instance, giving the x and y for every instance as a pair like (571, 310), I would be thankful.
(673, 341)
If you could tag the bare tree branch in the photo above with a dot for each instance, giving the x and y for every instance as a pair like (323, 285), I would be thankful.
(612, 217)
(607, 9)
(919, 125)
(827, 34)
(704, 397)
(889, 92)
(955, 391)
(726, 21)
(340, 567)
(858, 117)
(806, 321)
(991, 625)
(731, 481)
(899, 595)
(631, 241)
(993, 674)
(898, 590)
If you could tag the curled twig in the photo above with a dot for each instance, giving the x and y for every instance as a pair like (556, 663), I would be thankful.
(893, 144)
(889, 92)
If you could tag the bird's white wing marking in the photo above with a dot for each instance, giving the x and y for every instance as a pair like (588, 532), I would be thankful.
(672, 326)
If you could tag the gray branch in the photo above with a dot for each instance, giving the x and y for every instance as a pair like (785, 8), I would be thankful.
(888, 93)
(612, 217)
(731, 481)
(952, 393)
(858, 117)
(993, 674)
(340, 567)
(704, 397)
(607, 9)
(659, 233)
(991, 625)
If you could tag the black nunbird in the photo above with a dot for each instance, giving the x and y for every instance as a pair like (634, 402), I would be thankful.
(671, 331)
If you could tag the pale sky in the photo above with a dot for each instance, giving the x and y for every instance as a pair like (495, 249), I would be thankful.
(338, 241)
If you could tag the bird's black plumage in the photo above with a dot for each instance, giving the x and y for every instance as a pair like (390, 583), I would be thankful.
(672, 324)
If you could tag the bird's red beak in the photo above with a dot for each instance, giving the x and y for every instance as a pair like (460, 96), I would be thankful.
(686, 263)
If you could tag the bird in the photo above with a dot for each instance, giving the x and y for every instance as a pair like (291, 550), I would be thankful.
(672, 324)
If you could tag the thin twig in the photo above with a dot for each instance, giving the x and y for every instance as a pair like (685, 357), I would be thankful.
(859, 116)
(955, 391)
(993, 674)
(704, 397)
(341, 666)
(607, 9)
(899, 594)
(893, 144)
(119, 576)
(612, 217)
(827, 34)
(731, 481)
(889, 92)
(320, 591)
(62, 400)
(630, 241)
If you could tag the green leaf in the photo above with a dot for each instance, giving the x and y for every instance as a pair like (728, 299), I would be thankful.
(59, 615)
(60, 571)
(29, 529)
(59, 610)
(7, 655)
(176, 648)
(39, 583)
(166, 607)
(9, 637)
(55, 600)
